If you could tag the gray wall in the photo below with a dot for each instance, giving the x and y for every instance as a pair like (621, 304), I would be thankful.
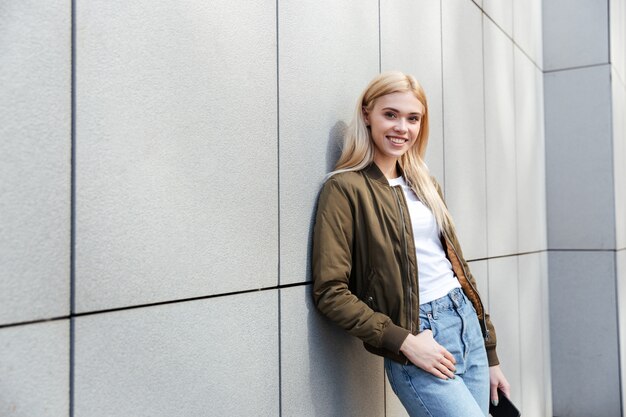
(586, 189)
(158, 257)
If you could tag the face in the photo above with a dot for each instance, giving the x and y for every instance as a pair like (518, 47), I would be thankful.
(395, 122)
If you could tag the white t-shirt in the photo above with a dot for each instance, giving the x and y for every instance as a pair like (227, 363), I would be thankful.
(436, 278)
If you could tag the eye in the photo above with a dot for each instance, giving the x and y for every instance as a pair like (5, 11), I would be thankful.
(390, 115)
(414, 119)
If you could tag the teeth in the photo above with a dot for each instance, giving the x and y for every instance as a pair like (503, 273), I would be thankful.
(397, 140)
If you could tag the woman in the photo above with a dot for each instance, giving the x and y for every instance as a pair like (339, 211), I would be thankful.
(387, 265)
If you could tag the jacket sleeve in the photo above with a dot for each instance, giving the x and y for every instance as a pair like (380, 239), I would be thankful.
(333, 238)
(490, 341)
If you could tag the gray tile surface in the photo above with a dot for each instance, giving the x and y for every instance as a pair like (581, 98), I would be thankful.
(534, 349)
(575, 33)
(324, 371)
(501, 12)
(530, 155)
(464, 128)
(579, 155)
(34, 160)
(527, 29)
(404, 24)
(216, 357)
(618, 90)
(176, 166)
(34, 370)
(505, 315)
(325, 63)
(583, 332)
(500, 141)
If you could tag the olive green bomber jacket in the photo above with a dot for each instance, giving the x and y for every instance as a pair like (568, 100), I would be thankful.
(364, 264)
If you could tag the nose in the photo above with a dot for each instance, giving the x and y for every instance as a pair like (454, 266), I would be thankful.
(400, 125)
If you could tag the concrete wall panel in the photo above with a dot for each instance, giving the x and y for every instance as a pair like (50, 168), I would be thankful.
(575, 33)
(177, 153)
(216, 356)
(505, 312)
(534, 327)
(464, 128)
(579, 179)
(583, 316)
(403, 26)
(527, 29)
(619, 156)
(617, 10)
(501, 12)
(530, 156)
(500, 141)
(325, 371)
(328, 54)
(34, 364)
(480, 271)
(35, 158)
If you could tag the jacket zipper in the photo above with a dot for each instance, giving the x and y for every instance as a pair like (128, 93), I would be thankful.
(482, 306)
(406, 256)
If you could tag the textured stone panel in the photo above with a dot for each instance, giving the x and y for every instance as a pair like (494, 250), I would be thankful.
(620, 268)
(176, 150)
(579, 154)
(464, 128)
(216, 357)
(324, 371)
(527, 29)
(500, 142)
(534, 329)
(618, 89)
(34, 369)
(617, 10)
(328, 55)
(583, 331)
(404, 24)
(480, 271)
(501, 12)
(575, 33)
(35, 146)
(505, 314)
(530, 155)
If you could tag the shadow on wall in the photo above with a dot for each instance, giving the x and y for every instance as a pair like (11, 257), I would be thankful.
(333, 151)
(344, 378)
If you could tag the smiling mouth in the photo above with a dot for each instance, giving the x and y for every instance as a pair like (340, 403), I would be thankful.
(396, 140)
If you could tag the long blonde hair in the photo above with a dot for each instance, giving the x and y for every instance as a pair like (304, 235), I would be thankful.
(358, 148)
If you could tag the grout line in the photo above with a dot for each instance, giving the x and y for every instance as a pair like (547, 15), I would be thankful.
(72, 206)
(576, 67)
(280, 370)
(38, 321)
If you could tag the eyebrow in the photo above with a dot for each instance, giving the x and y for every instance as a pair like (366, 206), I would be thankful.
(398, 111)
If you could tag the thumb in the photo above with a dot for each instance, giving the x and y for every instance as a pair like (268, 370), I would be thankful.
(494, 395)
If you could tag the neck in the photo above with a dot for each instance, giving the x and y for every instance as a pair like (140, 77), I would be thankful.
(389, 168)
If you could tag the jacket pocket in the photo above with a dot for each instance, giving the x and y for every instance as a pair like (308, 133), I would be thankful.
(368, 296)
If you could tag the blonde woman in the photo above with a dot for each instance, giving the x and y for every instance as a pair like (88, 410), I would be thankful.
(387, 265)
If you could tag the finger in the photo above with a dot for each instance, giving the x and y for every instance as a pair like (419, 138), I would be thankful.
(446, 371)
(506, 389)
(448, 364)
(449, 356)
(438, 373)
(494, 395)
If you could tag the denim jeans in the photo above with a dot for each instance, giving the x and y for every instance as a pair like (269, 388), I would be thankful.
(455, 326)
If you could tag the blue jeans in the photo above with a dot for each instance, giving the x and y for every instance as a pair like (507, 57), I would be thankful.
(455, 326)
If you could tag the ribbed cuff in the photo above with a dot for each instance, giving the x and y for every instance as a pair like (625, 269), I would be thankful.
(393, 337)
(492, 357)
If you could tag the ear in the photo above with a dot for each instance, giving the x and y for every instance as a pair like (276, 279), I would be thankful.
(365, 116)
